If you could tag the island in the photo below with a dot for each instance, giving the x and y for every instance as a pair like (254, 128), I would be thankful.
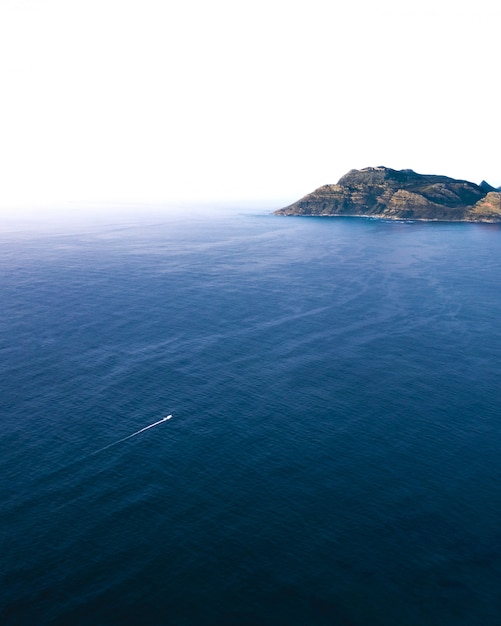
(382, 192)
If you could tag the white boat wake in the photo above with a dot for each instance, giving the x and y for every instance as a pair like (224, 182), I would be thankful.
(138, 432)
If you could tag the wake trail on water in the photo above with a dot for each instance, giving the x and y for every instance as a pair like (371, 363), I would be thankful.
(138, 432)
(52, 475)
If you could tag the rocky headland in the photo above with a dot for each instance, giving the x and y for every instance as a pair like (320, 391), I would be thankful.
(401, 194)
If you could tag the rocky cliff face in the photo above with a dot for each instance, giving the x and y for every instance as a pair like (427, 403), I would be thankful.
(401, 194)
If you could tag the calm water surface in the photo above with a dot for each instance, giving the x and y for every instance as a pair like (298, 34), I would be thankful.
(334, 456)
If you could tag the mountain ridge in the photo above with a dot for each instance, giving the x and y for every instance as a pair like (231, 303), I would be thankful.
(401, 194)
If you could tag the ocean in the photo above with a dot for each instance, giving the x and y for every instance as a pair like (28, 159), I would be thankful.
(334, 455)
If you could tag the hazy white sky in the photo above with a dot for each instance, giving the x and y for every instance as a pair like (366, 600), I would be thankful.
(107, 101)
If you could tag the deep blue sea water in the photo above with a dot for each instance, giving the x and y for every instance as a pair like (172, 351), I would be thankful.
(334, 456)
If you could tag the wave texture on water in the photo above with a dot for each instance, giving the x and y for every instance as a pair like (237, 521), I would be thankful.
(335, 453)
